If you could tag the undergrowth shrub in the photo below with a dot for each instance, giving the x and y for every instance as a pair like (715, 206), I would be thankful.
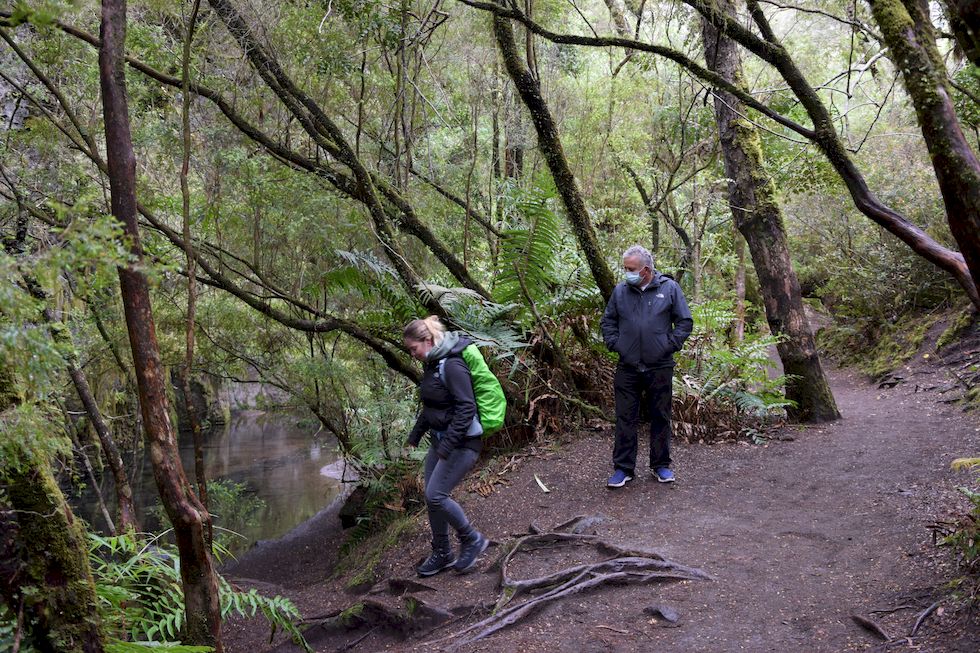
(875, 348)
(233, 507)
(722, 389)
(963, 536)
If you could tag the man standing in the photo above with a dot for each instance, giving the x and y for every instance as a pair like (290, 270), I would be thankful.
(646, 321)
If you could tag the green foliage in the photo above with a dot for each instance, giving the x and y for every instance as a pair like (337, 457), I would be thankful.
(722, 385)
(9, 632)
(373, 281)
(362, 552)
(528, 253)
(233, 508)
(968, 78)
(957, 327)
(875, 349)
(139, 591)
(390, 490)
(964, 536)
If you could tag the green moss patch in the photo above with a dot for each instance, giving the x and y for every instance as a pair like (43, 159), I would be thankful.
(876, 349)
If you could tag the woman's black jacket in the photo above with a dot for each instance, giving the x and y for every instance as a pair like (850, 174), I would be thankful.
(448, 404)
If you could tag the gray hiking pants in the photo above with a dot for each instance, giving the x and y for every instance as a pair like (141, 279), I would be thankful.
(441, 476)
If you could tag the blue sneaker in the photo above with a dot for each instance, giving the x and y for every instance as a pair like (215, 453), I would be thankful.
(664, 475)
(618, 479)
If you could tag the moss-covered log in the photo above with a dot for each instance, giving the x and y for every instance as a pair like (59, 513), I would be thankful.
(758, 217)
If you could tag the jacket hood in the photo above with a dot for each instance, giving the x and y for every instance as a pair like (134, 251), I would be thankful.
(452, 343)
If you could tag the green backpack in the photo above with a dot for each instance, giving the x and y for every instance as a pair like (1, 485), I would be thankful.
(490, 401)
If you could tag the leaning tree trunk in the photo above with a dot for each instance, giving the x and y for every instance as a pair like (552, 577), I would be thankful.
(908, 32)
(44, 572)
(759, 219)
(126, 516)
(188, 516)
(554, 155)
(964, 20)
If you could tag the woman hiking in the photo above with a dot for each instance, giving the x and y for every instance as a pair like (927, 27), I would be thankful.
(449, 414)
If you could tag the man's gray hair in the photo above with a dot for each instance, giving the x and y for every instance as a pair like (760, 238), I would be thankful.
(642, 253)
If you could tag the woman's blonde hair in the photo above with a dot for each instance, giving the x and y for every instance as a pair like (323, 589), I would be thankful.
(420, 330)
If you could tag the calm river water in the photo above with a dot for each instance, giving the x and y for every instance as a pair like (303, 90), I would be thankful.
(275, 455)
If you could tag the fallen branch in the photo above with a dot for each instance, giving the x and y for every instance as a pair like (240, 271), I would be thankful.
(904, 606)
(351, 645)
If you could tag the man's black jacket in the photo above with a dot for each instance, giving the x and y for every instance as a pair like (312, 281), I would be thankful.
(645, 327)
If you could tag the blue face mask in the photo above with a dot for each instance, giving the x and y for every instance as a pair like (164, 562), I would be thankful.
(633, 278)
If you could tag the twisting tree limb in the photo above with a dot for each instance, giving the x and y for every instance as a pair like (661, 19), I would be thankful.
(323, 324)
(823, 134)
(328, 136)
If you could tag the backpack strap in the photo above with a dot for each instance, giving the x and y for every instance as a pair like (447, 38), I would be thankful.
(476, 429)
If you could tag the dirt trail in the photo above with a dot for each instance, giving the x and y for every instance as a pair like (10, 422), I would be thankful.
(800, 534)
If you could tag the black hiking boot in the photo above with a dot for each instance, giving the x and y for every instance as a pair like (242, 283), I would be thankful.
(439, 560)
(470, 549)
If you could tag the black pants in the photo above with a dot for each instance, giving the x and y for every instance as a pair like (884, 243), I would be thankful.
(631, 386)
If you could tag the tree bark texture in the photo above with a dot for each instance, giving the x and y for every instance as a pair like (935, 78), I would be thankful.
(203, 616)
(964, 20)
(44, 569)
(554, 155)
(758, 217)
(907, 29)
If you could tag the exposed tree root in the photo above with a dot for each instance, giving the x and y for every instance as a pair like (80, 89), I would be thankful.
(627, 565)
(922, 617)
(393, 606)
(871, 626)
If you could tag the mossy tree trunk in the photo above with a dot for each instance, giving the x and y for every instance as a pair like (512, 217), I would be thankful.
(44, 573)
(758, 217)
(964, 20)
(188, 516)
(554, 155)
(909, 34)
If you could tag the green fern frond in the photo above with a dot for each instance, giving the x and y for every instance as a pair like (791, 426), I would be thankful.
(528, 254)
(140, 595)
